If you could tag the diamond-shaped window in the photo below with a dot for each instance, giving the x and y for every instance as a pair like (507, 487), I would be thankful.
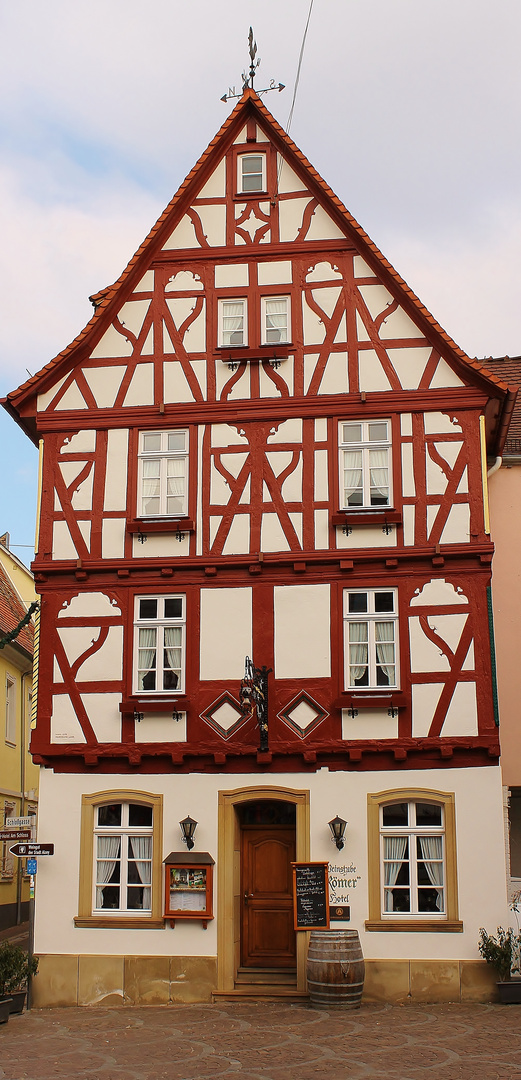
(303, 714)
(224, 716)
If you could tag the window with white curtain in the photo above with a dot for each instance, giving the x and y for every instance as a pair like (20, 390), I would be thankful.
(163, 474)
(159, 644)
(365, 474)
(370, 638)
(251, 172)
(275, 320)
(413, 858)
(123, 839)
(233, 323)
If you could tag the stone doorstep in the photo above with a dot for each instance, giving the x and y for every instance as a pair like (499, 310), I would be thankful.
(259, 993)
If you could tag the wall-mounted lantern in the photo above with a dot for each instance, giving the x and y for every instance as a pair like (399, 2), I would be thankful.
(188, 827)
(338, 828)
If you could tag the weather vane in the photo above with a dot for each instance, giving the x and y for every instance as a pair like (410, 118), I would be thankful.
(248, 76)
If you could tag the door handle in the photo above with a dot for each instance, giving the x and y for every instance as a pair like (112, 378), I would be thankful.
(248, 896)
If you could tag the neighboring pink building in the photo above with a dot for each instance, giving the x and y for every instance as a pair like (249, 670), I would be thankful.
(505, 516)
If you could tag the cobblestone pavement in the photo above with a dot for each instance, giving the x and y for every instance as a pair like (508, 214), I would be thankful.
(264, 1041)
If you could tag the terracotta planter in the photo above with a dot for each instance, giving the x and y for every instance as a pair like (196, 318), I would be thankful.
(510, 992)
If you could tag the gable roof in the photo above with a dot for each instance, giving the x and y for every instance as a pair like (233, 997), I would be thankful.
(12, 611)
(250, 105)
(508, 369)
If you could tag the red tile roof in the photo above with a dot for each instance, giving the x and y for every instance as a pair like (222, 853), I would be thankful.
(508, 369)
(12, 611)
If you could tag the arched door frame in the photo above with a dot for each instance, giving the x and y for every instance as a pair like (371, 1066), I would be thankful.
(229, 874)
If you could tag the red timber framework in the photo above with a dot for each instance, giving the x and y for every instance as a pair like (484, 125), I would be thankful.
(266, 550)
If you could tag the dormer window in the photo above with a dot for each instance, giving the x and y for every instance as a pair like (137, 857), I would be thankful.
(232, 323)
(252, 172)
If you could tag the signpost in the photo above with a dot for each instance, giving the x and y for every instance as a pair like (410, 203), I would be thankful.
(19, 822)
(310, 896)
(14, 834)
(29, 850)
(24, 850)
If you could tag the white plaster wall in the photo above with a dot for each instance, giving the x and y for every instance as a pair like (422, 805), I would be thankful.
(480, 855)
(63, 547)
(132, 315)
(302, 631)
(160, 544)
(445, 376)
(183, 236)
(104, 715)
(288, 180)
(45, 399)
(113, 343)
(368, 536)
(226, 632)
(274, 273)
(116, 475)
(104, 383)
(215, 187)
(409, 364)
(213, 220)
(160, 728)
(65, 726)
(369, 724)
(80, 442)
(322, 227)
(290, 217)
(231, 275)
(371, 373)
(72, 399)
(141, 389)
(113, 538)
(335, 379)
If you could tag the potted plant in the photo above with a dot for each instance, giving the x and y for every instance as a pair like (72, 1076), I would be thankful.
(15, 969)
(503, 951)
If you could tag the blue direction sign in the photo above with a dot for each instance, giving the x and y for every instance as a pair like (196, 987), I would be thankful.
(32, 866)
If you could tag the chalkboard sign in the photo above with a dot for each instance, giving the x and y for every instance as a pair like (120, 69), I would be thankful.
(310, 896)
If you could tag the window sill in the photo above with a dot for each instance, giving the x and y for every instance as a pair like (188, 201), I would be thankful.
(418, 926)
(247, 196)
(168, 703)
(369, 516)
(372, 699)
(111, 922)
(242, 354)
(161, 525)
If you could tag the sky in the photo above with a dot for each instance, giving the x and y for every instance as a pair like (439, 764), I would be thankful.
(409, 109)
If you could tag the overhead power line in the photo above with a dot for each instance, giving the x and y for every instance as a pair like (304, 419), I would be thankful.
(297, 77)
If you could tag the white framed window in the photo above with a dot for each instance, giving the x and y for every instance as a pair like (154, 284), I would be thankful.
(370, 638)
(412, 836)
(7, 860)
(159, 644)
(163, 473)
(123, 849)
(10, 710)
(251, 172)
(365, 474)
(233, 323)
(275, 315)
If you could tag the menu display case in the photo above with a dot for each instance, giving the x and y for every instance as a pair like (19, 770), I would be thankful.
(189, 886)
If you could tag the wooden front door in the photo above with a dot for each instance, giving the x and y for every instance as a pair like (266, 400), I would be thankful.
(268, 939)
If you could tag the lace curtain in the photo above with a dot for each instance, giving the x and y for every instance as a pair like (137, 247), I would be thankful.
(395, 848)
(431, 849)
(379, 475)
(151, 487)
(352, 476)
(173, 642)
(276, 320)
(140, 849)
(358, 654)
(233, 322)
(108, 854)
(147, 653)
(384, 633)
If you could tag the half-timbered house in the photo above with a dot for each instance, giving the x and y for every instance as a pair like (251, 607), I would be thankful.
(263, 445)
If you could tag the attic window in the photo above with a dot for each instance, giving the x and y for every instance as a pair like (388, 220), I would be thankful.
(251, 172)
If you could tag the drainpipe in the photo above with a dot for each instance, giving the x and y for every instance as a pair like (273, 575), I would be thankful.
(23, 751)
(494, 468)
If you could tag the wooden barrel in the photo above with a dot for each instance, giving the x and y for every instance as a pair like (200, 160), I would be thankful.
(335, 969)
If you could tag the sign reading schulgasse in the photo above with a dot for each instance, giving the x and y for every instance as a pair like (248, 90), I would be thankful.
(310, 896)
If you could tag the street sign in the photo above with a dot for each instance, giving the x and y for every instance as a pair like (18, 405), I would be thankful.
(19, 822)
(32, 866)
(21, 850)
(14, 834)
